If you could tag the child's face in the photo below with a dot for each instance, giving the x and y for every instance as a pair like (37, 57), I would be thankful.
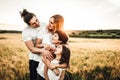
(58, 49)
(55, 36)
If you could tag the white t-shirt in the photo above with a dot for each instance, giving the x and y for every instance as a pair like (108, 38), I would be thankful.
(51, 74)
(46, 37)
(30, 33)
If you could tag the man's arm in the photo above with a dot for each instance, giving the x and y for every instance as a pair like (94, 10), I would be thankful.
(32, 48)
(36, 50)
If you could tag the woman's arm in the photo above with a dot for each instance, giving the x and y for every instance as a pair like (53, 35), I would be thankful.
(38, 43)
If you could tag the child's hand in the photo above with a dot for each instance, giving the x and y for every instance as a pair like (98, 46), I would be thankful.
(56, 71)
(52, 66)
(55, 41)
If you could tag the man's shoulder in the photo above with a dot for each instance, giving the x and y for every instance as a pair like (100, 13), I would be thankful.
(26, 28)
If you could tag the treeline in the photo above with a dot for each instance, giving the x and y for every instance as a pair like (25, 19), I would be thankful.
(115, 34)
(10, 31)
(96, 34)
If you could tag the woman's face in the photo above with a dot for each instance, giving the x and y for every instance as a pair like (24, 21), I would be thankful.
(58, 50)
(34, 22)
(51, 25)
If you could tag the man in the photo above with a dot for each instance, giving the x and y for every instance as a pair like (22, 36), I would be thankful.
(29, 35)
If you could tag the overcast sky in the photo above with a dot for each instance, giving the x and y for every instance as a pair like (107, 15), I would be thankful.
(78, 14)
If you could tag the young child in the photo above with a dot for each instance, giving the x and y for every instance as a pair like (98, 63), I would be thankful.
(62, 55)
(59, 37)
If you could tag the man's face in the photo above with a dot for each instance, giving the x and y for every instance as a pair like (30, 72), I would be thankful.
(34, 22)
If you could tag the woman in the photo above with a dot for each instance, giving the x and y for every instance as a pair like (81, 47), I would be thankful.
(45, 36)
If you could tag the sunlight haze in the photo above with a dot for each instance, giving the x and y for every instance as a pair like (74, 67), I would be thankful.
(78, 14)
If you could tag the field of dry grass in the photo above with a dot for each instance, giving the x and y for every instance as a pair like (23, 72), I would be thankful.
(91, 59)
(13, 57)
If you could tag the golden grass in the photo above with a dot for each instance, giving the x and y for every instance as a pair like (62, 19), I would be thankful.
(90, 58)
(13, 57)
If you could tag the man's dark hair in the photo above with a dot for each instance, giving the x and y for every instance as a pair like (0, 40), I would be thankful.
(27, 16)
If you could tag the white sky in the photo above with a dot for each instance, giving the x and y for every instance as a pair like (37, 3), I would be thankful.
(78, 14)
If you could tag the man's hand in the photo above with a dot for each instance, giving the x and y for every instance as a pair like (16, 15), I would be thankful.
(47, 54)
